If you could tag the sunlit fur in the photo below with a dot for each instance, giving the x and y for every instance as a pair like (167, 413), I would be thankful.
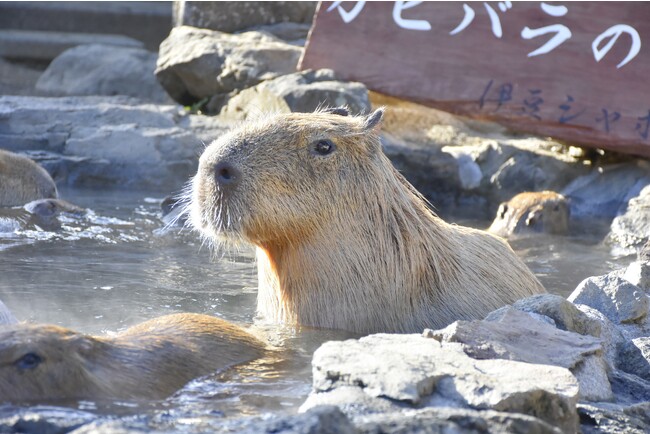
(530, 213)
(343, 240)
(22, 180)
(150, 360)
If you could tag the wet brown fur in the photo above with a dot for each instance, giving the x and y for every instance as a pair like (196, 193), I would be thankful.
(150, 360)
(343, 240)
(22, 180)
(530, 213)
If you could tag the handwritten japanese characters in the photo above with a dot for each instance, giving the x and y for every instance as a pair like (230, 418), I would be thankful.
(577, 71)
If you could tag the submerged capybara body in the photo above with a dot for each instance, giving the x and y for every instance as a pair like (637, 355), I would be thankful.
(150, 360)
(343, 240)
(532, 213)
(22, 180)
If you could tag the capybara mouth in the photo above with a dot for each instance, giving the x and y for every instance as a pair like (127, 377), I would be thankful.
(213, 213)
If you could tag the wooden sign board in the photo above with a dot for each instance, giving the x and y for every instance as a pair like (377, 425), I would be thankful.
(579, 72)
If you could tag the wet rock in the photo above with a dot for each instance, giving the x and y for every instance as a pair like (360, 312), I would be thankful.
(194, 64)
(104, 70)
(605, 192)
(614, 419)
(232, 16)
(107, 140)
(422, 372)
(299, 92)
(532, 213)
(632, 229)
(453, 420)
(515, 335)
(22, 180)
(619, 300)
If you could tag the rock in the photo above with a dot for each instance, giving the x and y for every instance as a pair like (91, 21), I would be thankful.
(232, 16)
(17, 78)
(422, 372)
(628, 388)
(515, 335)
(604, 418)
(194, 64)
(618, 299)
(453, 420)
(100, 141)
(605, 191)
(632, 229)
(638, 273)
(643, 344)
(293, 33)
(104, 70)
(299, 92)
(644, 253)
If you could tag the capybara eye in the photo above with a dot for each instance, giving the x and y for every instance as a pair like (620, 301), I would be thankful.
(324, 147)
(28, 361)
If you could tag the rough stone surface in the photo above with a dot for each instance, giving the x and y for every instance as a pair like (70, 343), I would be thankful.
(299, 92)
(232, 16)
(421, 371)
(194, 64)
(124, 142)
(605, 191)
(516, 335)
(293, 33)
(618, 299)
(104, 70)
(604, 418)
(453, 420)
(632, 229)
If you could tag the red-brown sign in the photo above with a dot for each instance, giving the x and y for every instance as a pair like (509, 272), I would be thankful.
(574, 71)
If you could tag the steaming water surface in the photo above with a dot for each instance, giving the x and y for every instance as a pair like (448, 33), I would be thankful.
(108, 270)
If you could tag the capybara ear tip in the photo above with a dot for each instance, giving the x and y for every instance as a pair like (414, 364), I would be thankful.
(374, 119)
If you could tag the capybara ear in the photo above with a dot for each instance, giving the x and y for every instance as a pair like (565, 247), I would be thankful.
(341, 111)
(374, 120)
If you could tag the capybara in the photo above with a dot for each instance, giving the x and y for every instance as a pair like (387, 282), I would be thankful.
(22, 180)
(41, 213)
(343, 240)
(150, 360)
(530, 213)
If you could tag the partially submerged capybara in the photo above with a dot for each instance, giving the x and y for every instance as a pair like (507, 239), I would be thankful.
(150, 360)
(41, 213)
(22, 180)
(532, 212)
(343, 240)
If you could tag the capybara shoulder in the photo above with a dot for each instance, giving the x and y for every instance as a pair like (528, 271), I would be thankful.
(22, 180)
(343, 240)
(150, 360)
(532, 213)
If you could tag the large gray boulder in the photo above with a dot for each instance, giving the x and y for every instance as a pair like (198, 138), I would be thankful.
(194, 64)
(632, 229)
(302, 92)
(412, 370)
(102, 141)
(230, 17)
(515, 335)
(104, 70)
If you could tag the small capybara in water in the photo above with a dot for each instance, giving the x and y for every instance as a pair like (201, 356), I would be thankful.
(22, 180)
(343, 240)
(40, 363)
(532, 212)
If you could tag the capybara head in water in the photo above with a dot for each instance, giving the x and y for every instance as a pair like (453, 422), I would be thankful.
(47, 363)
(344, 241)
(532, 213)
(22, 180)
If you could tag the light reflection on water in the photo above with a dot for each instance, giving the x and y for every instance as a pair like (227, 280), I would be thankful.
(106, 271)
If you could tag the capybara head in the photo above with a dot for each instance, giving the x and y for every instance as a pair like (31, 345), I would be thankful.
(281, 178)
(22, 180)
(532, 212)
(344, 241)
(47, 363)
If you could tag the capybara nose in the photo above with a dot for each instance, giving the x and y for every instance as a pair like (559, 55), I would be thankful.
(226, 174)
